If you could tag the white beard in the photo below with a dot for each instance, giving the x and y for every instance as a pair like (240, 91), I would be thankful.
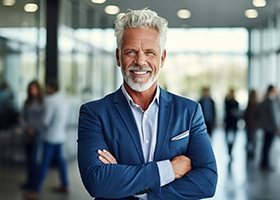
(138, 85)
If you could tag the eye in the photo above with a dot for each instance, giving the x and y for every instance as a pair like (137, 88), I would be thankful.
(150, 53)
(130, 53)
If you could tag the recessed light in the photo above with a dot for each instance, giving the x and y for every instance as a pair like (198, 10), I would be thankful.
(31, 7)
(184, 14)
(251, 13)
(9, 2)
(112, 9)
(259, 3)
(98, 1)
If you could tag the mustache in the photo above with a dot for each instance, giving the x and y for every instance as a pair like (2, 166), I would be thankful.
(139, 68)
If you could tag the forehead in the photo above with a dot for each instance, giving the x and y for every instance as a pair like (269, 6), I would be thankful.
(141, 36)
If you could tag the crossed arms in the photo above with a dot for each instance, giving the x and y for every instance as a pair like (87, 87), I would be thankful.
(180, 164)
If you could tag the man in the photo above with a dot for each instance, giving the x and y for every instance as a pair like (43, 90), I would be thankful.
(270, 123)
(231, 120)
(208, 109)
(142, 142)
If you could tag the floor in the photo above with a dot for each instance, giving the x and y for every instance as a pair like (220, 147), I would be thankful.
(241, 179)
(238, 180)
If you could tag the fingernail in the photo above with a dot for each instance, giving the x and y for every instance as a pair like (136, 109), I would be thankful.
(104, 150)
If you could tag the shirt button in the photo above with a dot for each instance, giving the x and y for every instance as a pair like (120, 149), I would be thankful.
(146, 141)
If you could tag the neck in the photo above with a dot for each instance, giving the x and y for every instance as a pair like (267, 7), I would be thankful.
(144, 98)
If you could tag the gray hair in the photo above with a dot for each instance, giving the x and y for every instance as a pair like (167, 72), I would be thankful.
(139, 19)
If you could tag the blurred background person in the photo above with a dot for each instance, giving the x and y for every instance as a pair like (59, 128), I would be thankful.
(270, 123)
(32, 122)
(231, 119)
(208, 109)
(54, 137)
(8, 113)
(251, 118)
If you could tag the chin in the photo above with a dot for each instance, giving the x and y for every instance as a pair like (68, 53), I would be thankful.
(137, 84)
(140, 87)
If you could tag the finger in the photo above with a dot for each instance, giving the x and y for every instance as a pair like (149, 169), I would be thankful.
(103, 160)
(108, 156)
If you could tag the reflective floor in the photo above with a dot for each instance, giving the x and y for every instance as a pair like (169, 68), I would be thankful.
(242, 179)
(238, 180)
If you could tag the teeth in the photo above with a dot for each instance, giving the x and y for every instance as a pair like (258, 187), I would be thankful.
(140, 72)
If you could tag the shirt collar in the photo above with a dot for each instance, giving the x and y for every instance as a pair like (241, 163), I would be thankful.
(130, 100)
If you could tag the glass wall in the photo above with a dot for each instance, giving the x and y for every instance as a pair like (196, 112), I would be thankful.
(265, 51)
(22, 41)
(86, 68)
(214, 58)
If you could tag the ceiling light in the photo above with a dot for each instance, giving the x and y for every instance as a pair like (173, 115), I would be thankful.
(98, 1)
(31, 7)
(251, 13)
(259, 3)
(112, 9)
(9, 2)
(184, 14)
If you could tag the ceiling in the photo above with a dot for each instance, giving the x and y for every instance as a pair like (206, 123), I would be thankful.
(205, 13)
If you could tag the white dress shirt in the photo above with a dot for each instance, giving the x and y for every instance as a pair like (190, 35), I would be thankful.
(55, 118)
(147, 123)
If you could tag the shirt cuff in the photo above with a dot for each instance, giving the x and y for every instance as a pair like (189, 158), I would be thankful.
(166, 173)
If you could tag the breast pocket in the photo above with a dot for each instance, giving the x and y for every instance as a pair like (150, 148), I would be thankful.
(180, 140)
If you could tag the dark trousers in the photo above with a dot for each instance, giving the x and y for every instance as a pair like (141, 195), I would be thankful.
(230, 138)
(32, 161)
(209, 126)
(251, 142)
(267, 143)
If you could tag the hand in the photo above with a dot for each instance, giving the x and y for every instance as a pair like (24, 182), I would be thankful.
(106, 157)
(181, 165)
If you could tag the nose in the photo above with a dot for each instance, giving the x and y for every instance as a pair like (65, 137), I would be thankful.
(140, 59)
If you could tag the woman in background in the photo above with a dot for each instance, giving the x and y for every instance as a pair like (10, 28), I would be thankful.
(251, 116)
(32, 118)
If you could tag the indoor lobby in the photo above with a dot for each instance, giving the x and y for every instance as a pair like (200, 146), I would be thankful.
(215, 43)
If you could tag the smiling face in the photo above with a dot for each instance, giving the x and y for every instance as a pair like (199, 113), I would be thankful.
(140, 58)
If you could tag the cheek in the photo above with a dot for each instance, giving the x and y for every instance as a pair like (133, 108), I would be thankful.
(124, 69)
(125, 62)
(157, 64)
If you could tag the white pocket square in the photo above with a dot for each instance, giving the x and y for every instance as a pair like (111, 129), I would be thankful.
(181, 136)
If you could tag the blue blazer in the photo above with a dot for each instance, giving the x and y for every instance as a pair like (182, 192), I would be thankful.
(109, 124)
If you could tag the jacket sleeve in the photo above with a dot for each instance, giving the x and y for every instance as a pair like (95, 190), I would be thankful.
(201, 181)
(110, 180)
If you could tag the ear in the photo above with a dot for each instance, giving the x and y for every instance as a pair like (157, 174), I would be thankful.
(163, 56)
(118, 57)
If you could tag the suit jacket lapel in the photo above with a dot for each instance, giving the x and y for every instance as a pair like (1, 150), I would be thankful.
(165, 114)
(126, 114)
